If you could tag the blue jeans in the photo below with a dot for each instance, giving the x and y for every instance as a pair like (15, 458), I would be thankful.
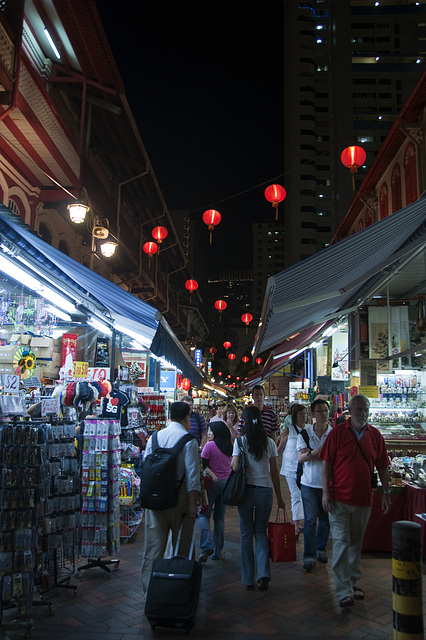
(315, 538)
(216, 505)
(254, 514)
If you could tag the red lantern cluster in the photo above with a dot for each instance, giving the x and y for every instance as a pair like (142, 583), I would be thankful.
(275, 194)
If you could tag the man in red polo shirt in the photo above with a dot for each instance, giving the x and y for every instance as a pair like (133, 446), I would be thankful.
(349, 455)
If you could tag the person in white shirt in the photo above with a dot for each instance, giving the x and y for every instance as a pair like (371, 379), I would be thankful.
(315, 536)
(159, 523)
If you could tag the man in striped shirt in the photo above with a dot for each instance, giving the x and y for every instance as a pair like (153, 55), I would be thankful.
(269, 418)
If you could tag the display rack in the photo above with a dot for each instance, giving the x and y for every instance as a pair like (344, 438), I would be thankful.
(100, 513)
(62, 507)
(24, 473)
(153, 407)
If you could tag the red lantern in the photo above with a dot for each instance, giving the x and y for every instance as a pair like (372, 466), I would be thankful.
(258, 360)
(159, 234)
(227, 344)
(353, 157)
(229, 377)
(186, 384)
(237, 378)
(275, 194)
(220, 305)
(219, 373)
(191, 285)
(245, 359)
(211, 218)
(232, 356)
(246, 318)
(150, 248)
(213, 350)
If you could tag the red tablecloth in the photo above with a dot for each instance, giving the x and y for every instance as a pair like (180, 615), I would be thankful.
(416, 503)
(378, 535)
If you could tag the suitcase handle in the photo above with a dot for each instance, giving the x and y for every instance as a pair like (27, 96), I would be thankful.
(192, 547)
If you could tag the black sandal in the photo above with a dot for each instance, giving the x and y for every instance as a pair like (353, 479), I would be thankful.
(347, 602)
(263, 584)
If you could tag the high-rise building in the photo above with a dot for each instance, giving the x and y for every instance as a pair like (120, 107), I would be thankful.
(268, 257)
(349, 67)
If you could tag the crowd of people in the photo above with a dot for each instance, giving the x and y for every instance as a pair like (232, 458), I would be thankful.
(327, 464)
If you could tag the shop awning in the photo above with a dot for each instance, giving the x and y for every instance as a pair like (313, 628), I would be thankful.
(281, 355)
(165, 345)
(94, 293)
(339, 279)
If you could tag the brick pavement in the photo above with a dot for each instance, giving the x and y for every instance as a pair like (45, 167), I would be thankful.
(297, 605)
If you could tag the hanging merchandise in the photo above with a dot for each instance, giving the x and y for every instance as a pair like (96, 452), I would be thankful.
(24, 362)
(100, 513)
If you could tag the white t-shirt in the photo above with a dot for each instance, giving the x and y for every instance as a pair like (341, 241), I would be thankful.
(258, 470)
(312, 469)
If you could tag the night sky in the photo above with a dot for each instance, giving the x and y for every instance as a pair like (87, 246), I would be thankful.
(205, 84)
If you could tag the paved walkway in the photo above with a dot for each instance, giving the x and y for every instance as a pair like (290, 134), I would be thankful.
(297, 605)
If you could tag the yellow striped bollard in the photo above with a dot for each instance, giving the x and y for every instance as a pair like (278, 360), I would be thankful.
(407, 581)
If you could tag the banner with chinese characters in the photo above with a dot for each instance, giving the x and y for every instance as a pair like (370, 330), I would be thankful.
(378, 337)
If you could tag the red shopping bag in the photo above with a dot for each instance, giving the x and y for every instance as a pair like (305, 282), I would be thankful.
(282, 540)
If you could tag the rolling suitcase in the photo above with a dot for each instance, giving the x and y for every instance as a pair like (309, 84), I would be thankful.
(173, 590)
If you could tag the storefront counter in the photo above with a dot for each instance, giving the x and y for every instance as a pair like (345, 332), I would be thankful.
(378, 535)
(409, 500)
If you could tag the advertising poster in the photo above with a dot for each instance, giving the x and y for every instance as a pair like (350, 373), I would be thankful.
(101, 353)
(69, 347)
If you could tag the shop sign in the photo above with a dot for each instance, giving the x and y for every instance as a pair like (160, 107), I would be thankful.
(69, 346)
(167, 380)
(369, 391)
(97, 374)
(50, 407)
(79, 369)
(10, 383)
(198, 357)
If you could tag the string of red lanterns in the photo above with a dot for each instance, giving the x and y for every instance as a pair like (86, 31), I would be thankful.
(211, 218)
(275, 194)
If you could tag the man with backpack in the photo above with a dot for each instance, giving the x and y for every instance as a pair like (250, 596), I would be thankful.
(198, 424)
(161, 489)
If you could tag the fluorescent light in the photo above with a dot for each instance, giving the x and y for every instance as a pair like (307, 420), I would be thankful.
(21, 276)
(100, 326)
(329, 332)
(134, 334)
(52, 44)
(59, 314)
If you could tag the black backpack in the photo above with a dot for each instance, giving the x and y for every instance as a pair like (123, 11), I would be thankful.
(159, 488)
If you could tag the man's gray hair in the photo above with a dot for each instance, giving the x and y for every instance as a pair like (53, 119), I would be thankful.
(359, 396)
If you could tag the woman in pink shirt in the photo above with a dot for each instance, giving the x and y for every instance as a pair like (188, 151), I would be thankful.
(216, 458)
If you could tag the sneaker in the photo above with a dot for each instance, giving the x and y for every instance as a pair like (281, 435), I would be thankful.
(321, 557)
(308, 566)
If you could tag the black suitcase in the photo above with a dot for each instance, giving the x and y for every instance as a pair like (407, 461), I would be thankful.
(173, 591)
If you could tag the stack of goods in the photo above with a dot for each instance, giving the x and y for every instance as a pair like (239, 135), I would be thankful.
(409, 468)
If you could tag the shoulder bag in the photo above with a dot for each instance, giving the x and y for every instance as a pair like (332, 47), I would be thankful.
(299, 471)
(373, 474)
(235, 487)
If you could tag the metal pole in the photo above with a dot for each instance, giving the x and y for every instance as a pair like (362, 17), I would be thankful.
(407, 581)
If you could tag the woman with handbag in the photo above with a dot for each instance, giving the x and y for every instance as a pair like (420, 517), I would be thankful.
(260, 454)
(216, 458)
(287, 447)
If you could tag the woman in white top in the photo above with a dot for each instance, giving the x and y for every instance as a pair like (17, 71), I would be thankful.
(287, 447)
(261, 475)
